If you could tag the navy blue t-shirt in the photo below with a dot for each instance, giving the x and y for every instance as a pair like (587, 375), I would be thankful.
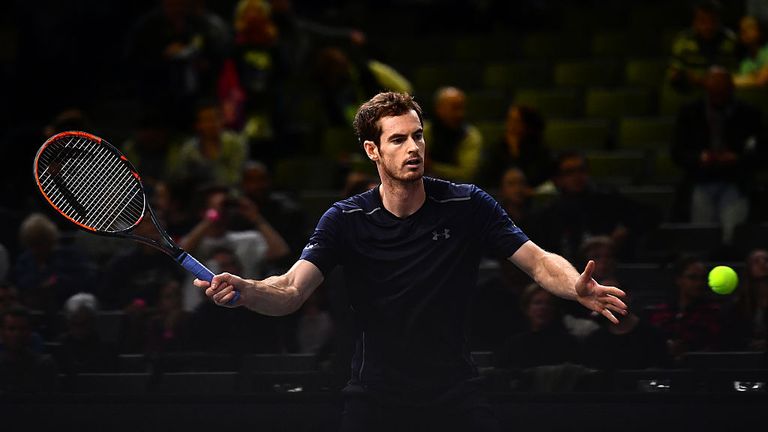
(411, 280)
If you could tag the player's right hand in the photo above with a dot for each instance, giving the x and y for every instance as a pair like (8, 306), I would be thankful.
(225, 289)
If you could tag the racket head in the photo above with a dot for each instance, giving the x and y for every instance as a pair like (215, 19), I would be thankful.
(89, 182)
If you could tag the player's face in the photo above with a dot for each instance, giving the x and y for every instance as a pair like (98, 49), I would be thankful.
(400, 153)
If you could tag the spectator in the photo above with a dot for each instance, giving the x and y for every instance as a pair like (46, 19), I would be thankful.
(9, 296)
(602, 251)
(314, 327)
(583, 209)
(753, 69)
(150, 269)
(691, 320)
(717, 143)
(545, 341)
(168, 326)
(177, 54)
(522, 145)
(152, 149)
(237, 224)
(747, 323)
(706, 43)
(47, 273)
(22, 368)
(631, 344)
(81, 349)
(455, 145)
(285, 213)
(214, 154)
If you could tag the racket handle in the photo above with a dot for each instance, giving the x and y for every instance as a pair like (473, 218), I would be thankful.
(201, 272)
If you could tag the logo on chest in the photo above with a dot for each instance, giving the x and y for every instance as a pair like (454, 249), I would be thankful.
(446, 234)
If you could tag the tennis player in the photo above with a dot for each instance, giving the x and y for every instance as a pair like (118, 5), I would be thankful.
(410, 250)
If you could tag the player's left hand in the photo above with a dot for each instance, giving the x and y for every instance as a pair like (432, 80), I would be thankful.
(601, 299)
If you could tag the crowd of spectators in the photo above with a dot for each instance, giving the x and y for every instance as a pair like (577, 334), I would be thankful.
(222, 94)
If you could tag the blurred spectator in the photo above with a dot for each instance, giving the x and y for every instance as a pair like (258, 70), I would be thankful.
(176, 52)
(47, 273)
(314, 327)
(718, 143)
(631, 344)
(217, 329)
(583, 209)
(602, 251)
(171, 201)
(235, 223)
(691, 320)
(455, 146)
(152, 148)
(753, 69)
(149, 270)
(747, 323)
(545, 341)
(706, 43)
(81, 349)
(522, 145)
(22, 368)
(9, 296)
(169, 326)
(285, 213)
(345, 80)
(214, 154)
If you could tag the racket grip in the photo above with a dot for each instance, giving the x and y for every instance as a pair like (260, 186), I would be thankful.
(201, 272)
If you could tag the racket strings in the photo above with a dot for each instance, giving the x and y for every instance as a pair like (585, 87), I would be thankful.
(90, 184)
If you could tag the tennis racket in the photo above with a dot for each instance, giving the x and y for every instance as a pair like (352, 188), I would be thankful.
(94, 186)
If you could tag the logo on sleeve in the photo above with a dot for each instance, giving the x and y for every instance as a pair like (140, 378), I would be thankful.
(446, 234)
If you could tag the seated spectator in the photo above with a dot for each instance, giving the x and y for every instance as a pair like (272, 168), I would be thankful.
(168, 325)
(747, 315)
(583, 209)
(631, 344)
(753, 69)
(545, 341)
(23, 369)
(706, 43)
(455, 146)
(717, 144)
(285, 213)
(214, 154)
(522, 146)
(47, 273)
(235, 223)
(602, 251)
(81, 348)
(690, 321)
(9, 296)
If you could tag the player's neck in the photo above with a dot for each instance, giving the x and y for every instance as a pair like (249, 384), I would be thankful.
(402, 199)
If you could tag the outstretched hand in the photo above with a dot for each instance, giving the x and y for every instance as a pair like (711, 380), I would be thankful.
(601, 299)
(223, 289)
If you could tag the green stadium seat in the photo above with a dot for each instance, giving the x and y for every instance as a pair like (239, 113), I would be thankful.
(670, 100)
(581, 134)
(646, 72)
(646, 133)
(483, 48)
(617, 168)
(510, 76)
(586, 73)
(615, 103)
(552, 102)
(554, 45)
(428, 78)
(492, 131)
(486, 105)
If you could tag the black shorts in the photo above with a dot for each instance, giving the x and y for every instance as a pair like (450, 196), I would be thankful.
(374, 413)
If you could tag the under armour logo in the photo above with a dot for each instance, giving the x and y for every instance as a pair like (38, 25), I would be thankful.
(446, 234)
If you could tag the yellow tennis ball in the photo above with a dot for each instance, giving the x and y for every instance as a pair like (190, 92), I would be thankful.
(723, 280)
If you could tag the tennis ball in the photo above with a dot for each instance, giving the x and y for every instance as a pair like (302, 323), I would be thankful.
(723, 280)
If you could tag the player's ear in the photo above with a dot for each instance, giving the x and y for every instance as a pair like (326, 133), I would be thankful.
(371, 149)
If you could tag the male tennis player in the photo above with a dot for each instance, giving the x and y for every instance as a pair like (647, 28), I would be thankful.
(410, 251)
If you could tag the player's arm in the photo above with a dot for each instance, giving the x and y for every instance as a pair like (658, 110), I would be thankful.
(275, 295)
(555, 274)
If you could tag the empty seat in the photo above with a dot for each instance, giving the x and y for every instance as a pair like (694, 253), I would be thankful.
(586, 73)
(617, 167)
(564, 134)
(670, 100)
(549, 45)
(615, 103)
(646, 133)
(510, 76)
(646, 72)
(486, 105)
(551, 102)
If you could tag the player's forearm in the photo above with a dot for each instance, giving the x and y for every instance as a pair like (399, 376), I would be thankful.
(275, 296)
(555, 274)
